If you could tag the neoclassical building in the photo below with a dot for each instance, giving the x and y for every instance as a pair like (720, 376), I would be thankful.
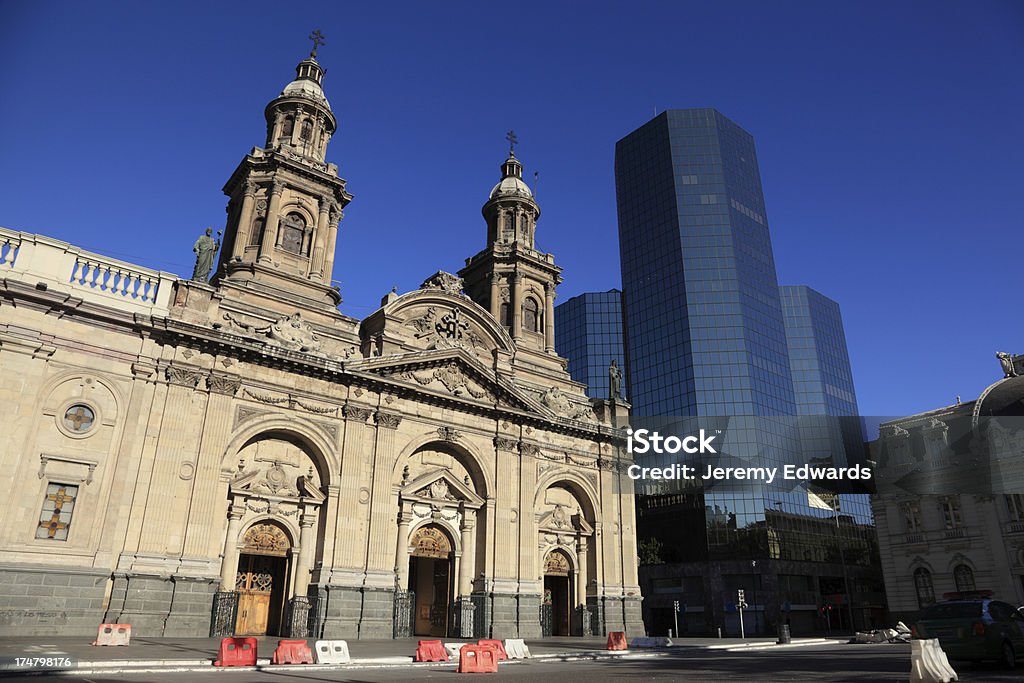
(239, 456)
(950, 502)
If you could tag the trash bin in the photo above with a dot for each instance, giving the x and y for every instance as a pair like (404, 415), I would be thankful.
(784, 637)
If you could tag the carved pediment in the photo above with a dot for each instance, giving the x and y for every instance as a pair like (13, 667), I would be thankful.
(452, 372)
(562, 519)
(440, 487)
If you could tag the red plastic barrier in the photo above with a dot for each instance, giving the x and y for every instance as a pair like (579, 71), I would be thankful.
(478, 659)
(431, 651)
(499, 648)
(292, 652)
(113, 634)
(237, 652)
(617, 640)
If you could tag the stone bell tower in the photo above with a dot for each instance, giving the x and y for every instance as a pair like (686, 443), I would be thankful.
(510, 277)
(285, 202)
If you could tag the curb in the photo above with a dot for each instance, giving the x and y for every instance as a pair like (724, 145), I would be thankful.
(739, 647)
(264, 665)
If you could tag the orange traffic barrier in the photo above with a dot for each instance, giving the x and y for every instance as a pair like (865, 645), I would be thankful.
(292, 652)
(431, 651)
(478, 659)
(499, 648)
(113, 634)
(237, 652)
(617, 640)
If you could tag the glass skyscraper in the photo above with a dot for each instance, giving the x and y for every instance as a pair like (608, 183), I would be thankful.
(588, 332)
(706, 338)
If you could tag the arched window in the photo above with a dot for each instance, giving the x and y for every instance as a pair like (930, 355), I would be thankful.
(963, 577)
(505, 322)
(256, 234)
(531, 315)
(307, 131)
(289, 125)
(293, 232)
(923, 585)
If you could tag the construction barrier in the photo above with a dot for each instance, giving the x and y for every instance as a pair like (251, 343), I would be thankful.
(113, 634)
(431, 651)
(478, 659)
(648, 641)
(237, 652)
(453, 648)
(496, 644)
(292, 652)
(617, 640)
(515, 648)
(331, 652)
(928, 663)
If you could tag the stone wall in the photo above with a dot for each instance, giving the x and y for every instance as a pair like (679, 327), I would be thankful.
(48, 602)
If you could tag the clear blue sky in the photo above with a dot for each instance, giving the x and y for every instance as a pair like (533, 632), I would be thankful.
(890, 136)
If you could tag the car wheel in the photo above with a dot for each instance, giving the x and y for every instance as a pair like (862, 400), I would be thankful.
(1009, 656)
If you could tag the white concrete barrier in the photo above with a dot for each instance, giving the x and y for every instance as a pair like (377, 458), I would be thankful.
(515, 648)
(648, 641)
(332, 652)
(455, 649)
(928, 663)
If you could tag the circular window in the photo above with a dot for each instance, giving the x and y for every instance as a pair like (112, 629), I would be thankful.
(79, 418)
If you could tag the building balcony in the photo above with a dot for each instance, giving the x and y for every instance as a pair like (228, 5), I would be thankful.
(916, 537)
(956, 532)
(1015, 527)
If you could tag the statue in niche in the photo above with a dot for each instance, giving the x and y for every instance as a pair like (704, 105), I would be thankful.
(205, 250)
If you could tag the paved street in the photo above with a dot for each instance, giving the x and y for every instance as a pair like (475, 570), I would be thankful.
(826, 662)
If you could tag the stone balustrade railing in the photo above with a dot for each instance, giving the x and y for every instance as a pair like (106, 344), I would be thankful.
(36, 259)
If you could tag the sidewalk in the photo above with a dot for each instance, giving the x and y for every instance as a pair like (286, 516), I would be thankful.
(198, 654)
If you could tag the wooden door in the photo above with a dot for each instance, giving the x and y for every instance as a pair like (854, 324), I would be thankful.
(255, 584)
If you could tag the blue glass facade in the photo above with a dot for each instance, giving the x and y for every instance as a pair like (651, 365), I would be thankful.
(588, 332)
(818, 358)
(705, 333)
(708, 333)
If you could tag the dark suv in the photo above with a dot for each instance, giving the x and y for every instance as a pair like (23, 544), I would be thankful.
(975, 629)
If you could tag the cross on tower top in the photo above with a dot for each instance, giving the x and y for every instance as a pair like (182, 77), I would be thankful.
(512, 141)
(318, 39)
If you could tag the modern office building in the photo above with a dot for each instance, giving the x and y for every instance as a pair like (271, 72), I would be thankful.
(706, 338)
(588, 333)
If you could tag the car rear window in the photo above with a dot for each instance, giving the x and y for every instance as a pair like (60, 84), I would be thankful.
(953, 610)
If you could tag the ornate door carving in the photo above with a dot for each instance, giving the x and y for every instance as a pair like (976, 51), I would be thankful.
(255, 585)
(262, 568)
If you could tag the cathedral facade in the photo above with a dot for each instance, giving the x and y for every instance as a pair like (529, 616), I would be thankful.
(239, 457)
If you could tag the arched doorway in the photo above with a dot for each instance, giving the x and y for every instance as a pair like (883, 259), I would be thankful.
(431, 577)
(558, 595)
(262, 580)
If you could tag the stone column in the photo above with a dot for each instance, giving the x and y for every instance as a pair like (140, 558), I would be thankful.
(581, 556)
(496, 297)
(331, 243)
(269, 240)
(164, 526)
(244, 228)
(468, 554)
(207, 491)
(297, 128)
(402, 552)
(307, 548)
(549, 317)
(516, 305)
(229, 565)
(319, 244)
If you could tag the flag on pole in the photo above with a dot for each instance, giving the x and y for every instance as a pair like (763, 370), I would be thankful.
(823, 500)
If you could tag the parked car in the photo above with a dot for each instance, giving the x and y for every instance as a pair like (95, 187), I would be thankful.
(975, 629)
